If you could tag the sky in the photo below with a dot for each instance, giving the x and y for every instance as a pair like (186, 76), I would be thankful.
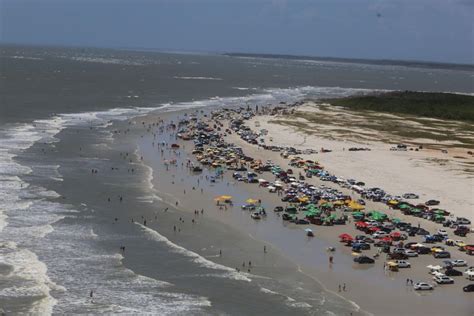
(430, 30)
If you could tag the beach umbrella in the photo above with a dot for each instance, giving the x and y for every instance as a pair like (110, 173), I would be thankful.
(396, 220)
(223, 198)
(308, 230)
(251, 201)
(361, 224)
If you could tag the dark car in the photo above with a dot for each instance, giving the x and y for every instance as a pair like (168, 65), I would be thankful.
(397, 256)
(423, 250)
(442, 254)
(363, 260)
(432, 202)
(278, 209)
(302, 222)
(453, 272)
(422, 232)
(468, 288)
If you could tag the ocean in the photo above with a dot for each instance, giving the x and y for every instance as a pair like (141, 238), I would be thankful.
(60, 111)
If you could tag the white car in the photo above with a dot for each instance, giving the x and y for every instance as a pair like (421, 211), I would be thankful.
(411, 253)
(443, 279)
(442, 232)
(403, 264)
(379, 234)
(422, 286)
(459, 263)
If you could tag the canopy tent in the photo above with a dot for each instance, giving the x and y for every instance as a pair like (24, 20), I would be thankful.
(251, 201)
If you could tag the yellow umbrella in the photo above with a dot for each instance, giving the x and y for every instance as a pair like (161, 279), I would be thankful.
(223, 198)
(251, 201)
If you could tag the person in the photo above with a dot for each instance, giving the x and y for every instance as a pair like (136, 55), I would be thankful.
(344, 287)
(264, 249)
(408, 281)
(339, 288)
(144, 222)
(331, 259)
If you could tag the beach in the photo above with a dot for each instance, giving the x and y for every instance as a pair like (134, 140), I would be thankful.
(383, 290)
(95, 219)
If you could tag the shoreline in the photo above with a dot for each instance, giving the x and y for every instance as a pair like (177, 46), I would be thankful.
(277, 246)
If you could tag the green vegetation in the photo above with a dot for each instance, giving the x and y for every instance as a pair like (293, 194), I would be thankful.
(424, 104)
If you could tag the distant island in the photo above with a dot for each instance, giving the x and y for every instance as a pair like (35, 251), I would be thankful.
(427, 104)
(406, 63)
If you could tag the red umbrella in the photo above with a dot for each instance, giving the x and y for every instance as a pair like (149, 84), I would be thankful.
(387, 239)
(374, 229)
(361, 224)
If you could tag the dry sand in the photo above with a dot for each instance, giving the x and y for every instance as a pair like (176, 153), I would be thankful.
(428, 173)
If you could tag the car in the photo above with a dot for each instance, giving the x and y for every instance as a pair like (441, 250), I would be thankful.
(379, 234)
(443, 279)
(278, 209)
(452, 272)
(422, 286)
(460, 243)
(442, 232)
(411, 253)
(442, 254)
(432, 202)
(410, 196)
(403, 264)
(437, 249)
(463, 221)
(248, 207)
(468, 288)
(363, 260)
(459, 263)
(423, 250)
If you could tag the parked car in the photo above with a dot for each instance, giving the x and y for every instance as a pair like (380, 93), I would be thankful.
(463, 221)
(410, 196)
(422, 286)
(442, 254)
(443, 279)
(278, 209)
(411, 253)
(453, 272)
(468, 288)
(442, 232)
(459, 263)
(423, 250)
(432, 202)
(363, 260)
(403, 264)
